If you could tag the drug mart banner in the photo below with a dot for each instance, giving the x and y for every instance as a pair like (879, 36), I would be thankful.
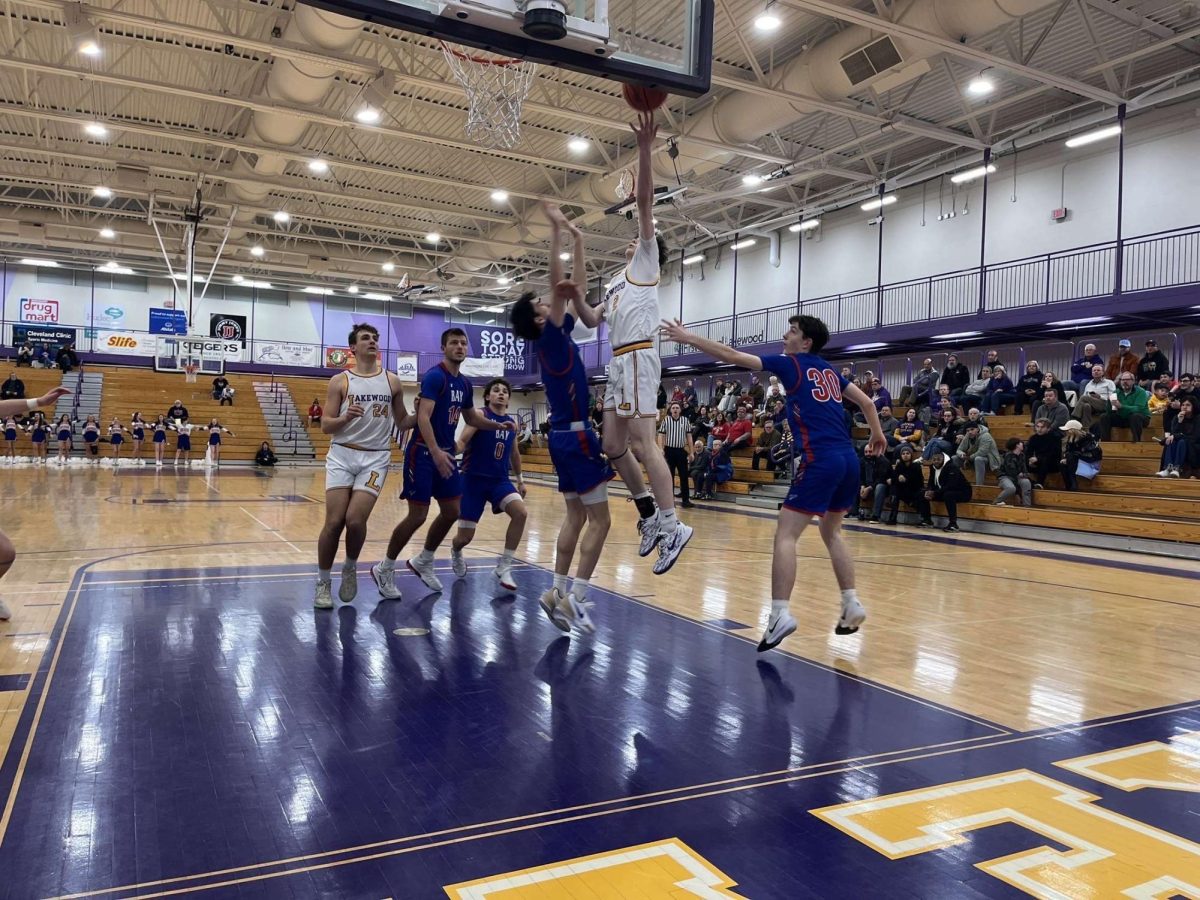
(33, 310)
(287, 354)
(127, 343)
(406, 367)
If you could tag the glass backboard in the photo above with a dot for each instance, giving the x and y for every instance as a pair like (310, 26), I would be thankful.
(661, 43)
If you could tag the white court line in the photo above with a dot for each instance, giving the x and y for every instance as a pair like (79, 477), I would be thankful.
(269, 529)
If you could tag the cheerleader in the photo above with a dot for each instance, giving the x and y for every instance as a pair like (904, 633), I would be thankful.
(215, 429)
(115, 429)
(39, 430)
(159, 428)
(10, 438)
(91, 439)
(183, 443)
(65, 428)
(137, 429)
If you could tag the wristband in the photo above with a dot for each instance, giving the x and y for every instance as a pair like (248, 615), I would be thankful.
(32, 404)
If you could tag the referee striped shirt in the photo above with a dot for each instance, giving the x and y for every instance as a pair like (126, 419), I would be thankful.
(678, 432)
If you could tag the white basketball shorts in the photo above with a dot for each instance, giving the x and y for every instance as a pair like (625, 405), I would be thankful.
(633, 380)
(359, 470)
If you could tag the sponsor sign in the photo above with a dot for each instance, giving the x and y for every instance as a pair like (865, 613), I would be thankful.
(482, 368)
(227, 328)
(35, 334)
(406, 367)
(201, 348)
(286, 354)
(33, 310)
(110, 315)
(167, 321)
(339, 358)
(503, 345)
(128, 343)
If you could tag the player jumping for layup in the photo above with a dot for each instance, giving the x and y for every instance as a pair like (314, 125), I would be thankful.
(827, 483)
(370, 404)
(631, 397)
(429, 467)
(583, 474)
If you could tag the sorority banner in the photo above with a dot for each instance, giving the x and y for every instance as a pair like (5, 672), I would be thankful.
(167, 321)
(128, 343)
(38, 310)
(38, 334)
(286, 354)
(339, 358)
(406, 367)
(227, 328)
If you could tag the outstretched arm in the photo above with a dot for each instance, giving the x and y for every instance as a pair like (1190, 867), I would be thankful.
(558, 222)
(646, 131)
(16, 407)
(480, 422)
(674, 331)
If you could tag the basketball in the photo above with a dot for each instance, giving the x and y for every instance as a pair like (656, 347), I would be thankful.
(643, 98)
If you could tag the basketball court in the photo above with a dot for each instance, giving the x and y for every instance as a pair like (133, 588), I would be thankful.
(1018, 716)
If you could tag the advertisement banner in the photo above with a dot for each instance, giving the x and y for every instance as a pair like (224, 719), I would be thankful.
(339, 358)
(227, 328)
(167, 321)
(286, 354)
(501, 344)
(128, 343)
(483, 368)
(110, 316)
(406, 367)
(36, 334)
(33, 310)
(201, 348)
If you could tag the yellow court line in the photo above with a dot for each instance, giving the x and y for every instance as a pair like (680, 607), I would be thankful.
(998, 742)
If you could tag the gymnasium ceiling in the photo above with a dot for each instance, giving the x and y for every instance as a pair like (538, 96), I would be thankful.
(178, 85)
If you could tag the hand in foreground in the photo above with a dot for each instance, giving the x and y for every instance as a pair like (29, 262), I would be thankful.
(673, 330)
(354, 411)
(555, 215)
(877, 445)
(51, 396)
(568, 290)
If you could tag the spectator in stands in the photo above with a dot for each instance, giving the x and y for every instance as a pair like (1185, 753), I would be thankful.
(720, 470)
(1052, 408)
(1013, 475)
(315, 412)
(1095, 399)
(933, 411)
(544, 432)
(719, 430)
(698, 467)
(265, 456)
(676, 397)
(1160, 398)
(661, 403)
(764, 447)
(1153, 364)
(956, 377)
(976, 417)
(1181, 445)
(67, 359)
(1082, 455)
(991, 360)
(973, 394)
(1130, 409)
(774, 392)
(41, 357)
(598, 414)
(757, 392)
(702, 425)
(889, 424)
(1029, 389)
(1051, 382)
(943, 434)
(177, 411)
(906, 485)
(879, 394)
(874, 474)
(999, 392)
(218, 386)
(921, 391)
(911, 431)
(978, 448)
(13, 388)
(25, 355)
(1081, 369)
(1121, 361)
(728, 396)
(1186, 388)
(1167, 380)
(227, 396)
(947, 484)
(689, 394)
(1044, 451)
(779, 414)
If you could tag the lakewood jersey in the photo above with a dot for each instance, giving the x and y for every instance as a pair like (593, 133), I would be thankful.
(372, 430)
(631, 300)
(814, 402)
(563, 373)
(450, 394)
(489, 453)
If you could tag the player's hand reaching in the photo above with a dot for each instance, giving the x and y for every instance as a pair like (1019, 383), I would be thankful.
(673, 330)
(521, 489)
(877, 446)
(555, 215)
(568, 290)
(51, 396)
(444, 462)
(645, 129)
(507, 426)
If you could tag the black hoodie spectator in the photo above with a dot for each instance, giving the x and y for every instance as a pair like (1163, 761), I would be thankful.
(956, 377)
(1153, 364)
(1043, 452)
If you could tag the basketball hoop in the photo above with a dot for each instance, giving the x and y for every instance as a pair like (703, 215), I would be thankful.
(190, 368)
(495, 87)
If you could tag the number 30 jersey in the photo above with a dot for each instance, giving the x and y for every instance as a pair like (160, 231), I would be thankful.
(489, 453)
(814, 402)
(450, 394)
(373, 429)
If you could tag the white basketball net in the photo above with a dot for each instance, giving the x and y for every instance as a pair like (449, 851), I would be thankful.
(495, 88)
(624, 188)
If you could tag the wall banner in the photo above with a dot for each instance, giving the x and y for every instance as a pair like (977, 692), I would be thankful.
(339, 358)
(406, 367)
(35, 334)
(286, 354)
(167, 321)
(227, 327)
(126, 343)
(33, 310)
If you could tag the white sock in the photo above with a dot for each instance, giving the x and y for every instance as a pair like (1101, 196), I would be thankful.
(325, 575)
(778, 607)
(850, 595)
(349, 565)
(580, 588)
(387, 564)
(425, 557)
(508, 555)
(667, 520)
(560, 584)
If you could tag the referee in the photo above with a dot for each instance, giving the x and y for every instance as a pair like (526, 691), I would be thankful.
(677, 448)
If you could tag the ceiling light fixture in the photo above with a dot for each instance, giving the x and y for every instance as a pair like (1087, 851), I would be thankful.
(388, 267)
(104, 193)
(455, 299)
(502, 280)
(692, 260)
(80, 31)
(261, 285)
(1100, 134)
(742, 245)
(257, 250)
(368, 115)
(107, 233)
(578, 145)
(353, 289)
(372, 295)
(564, 256)
(318, 166)
(182, 276)
(1090, 320)
(96, 130)
(499, 196)
(806, 225)
(115, 268)
(878, 202)
(981, 85)
(752, 180)
(956, 335)
(375, 97)
(433, 237)
(238, 279)
(972, 174)
(442, 303)
(44, 263)
(282, 217)
(312, 289)
(853, 348)
(768, 19)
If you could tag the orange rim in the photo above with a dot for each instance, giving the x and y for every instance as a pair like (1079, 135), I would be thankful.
(482, 60)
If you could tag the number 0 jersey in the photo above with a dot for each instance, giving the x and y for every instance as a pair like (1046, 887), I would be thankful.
(814, 402)
(489, 453)
(372, 430)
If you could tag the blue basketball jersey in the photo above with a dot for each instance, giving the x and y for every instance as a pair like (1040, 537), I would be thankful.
(489, 453)
(563, 373)
(814, 402)
(450, 394)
